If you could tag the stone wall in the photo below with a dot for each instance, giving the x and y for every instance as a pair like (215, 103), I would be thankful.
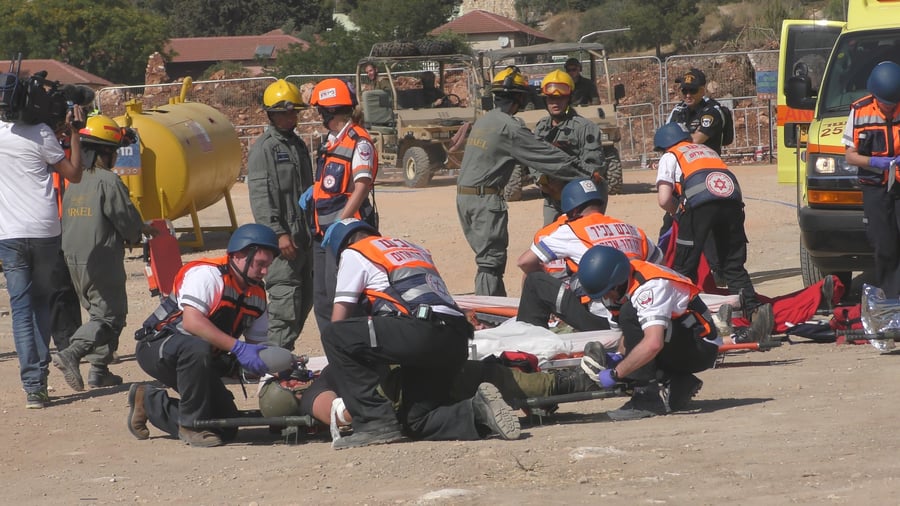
(505, 8)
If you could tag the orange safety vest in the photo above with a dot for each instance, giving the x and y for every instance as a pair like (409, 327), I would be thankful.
(556, 268)
(601, 230)
(414, 280)
(334, 178)
(873, 135)
(642, 272)
(236, 311)
(704, 176)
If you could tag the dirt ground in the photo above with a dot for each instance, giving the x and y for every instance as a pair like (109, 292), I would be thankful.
(805, 423)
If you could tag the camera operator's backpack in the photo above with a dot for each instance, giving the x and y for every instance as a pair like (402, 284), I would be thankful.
(727, 124)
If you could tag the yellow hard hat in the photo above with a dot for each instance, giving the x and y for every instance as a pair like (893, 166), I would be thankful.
(557, 83)
(509, 80)
(102, 130)
(282, 96)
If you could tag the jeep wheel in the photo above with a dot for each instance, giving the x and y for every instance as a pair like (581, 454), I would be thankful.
(613, 170)
(812, 275)
(416, 168)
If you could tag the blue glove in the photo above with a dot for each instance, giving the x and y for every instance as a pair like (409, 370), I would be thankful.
(613, 358)
(880, 162)
(326, 239)
(606, 378)
(306, 199)
(248, 356)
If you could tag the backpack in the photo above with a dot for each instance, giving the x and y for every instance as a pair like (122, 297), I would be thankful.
(727, 124)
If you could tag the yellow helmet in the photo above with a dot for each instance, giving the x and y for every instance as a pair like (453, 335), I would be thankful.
(509, 80)
(102, 130)
(557, 83)
(282, 96)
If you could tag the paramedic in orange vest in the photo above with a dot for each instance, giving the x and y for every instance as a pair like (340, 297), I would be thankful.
(392, 308)
(667, 331)
(872, 139)
(346, 167)
(695, 187)
(552, 261)
(184, 343)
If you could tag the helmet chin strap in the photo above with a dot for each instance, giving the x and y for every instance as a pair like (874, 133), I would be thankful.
(251, 254)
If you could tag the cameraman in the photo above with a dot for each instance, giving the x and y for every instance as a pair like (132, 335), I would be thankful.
(30, 237)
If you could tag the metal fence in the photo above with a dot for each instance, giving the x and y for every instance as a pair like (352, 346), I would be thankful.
(650, 94)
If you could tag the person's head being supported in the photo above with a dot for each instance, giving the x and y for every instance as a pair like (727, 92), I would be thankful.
(693, 87)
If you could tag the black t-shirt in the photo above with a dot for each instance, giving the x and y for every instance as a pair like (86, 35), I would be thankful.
(584, 92)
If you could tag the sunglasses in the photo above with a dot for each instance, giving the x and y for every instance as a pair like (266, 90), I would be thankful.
(572, 69)
(689, 91)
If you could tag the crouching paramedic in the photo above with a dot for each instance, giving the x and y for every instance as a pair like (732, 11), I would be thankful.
(666, 329)
(551, 263)
(184, 343)
(391, 307)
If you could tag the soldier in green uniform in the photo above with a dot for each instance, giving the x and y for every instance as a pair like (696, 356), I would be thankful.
(496, 143)
(279, 170)
(98, 219)
(565, 129)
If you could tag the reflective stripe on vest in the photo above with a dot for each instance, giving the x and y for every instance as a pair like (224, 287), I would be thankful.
(643, 272)
(334, 179)
(873, 135)
(236, 310)
(704, 176)
(411, 272)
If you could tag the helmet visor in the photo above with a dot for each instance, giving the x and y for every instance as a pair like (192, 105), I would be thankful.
(557, 89)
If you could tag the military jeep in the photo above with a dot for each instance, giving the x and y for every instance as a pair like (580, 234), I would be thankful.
(418, 128)
(538, 60)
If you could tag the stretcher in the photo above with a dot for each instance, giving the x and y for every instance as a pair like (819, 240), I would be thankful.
(162, 258)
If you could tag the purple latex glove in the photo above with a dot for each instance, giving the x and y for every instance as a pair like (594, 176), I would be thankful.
(607, 380)
(613, 358)
(880, 162)
(248, 356)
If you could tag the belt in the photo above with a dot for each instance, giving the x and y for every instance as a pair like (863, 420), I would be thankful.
(477, 190)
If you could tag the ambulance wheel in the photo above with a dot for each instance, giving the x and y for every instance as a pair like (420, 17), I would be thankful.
(416, 168)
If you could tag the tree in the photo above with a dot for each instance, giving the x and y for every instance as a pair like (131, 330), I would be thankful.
(336, 51)
(401, 19)
(104, 37)
(657, 22)
(205, 18)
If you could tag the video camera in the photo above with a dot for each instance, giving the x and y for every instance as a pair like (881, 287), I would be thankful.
(38, 99)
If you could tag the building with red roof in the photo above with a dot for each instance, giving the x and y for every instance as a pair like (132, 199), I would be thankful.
(485, 30)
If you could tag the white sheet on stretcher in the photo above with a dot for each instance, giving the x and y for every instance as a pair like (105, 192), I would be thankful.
(513, 335)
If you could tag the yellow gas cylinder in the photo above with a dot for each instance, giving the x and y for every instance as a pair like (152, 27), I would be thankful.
(190, 157)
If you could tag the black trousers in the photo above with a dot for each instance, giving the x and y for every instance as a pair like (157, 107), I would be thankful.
(723, 221)
(430, 355)
(185, 364)
(684, 351)
(543, 295)
(882, 212)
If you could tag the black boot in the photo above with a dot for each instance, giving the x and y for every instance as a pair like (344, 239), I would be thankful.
(570, 381)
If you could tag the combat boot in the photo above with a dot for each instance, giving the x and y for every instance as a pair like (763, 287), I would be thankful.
(199, 438)
(681, 389)
(570, 381)
(646, 401)
(137, 415)
(491, 411)
(100, 377)
(388, 433)
(68, 364)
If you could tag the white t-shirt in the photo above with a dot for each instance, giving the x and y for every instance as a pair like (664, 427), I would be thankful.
(202, 289)
(657, 300)
(669, 170)
(28, 207)
(357, 273)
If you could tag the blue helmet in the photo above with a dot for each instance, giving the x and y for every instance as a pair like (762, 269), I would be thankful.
(338, 233)
(581, 191)
(253, 234)
(669, 135)
(884, 82)
(601, 269)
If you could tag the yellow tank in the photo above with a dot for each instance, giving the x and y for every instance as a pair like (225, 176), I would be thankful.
(190, 157)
